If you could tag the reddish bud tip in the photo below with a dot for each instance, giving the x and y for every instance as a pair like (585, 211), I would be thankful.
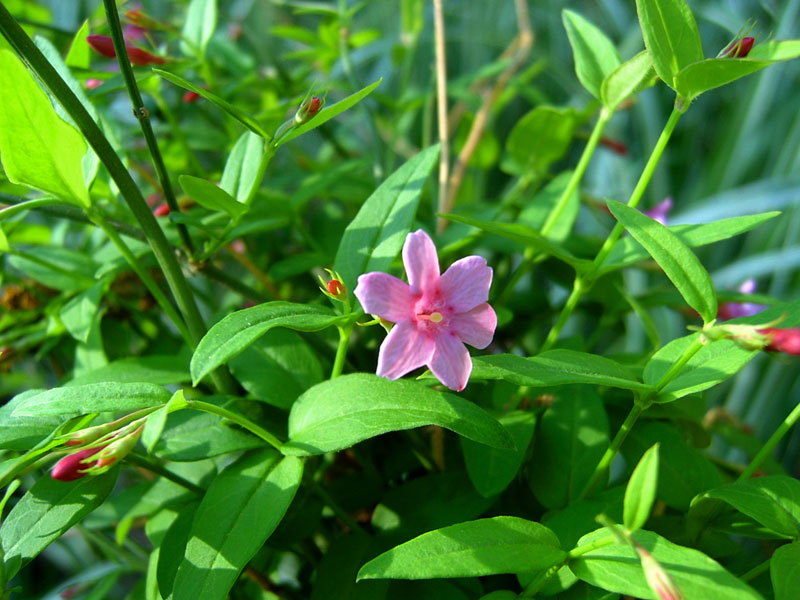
(69, 468)
(335, 287)
(308, 109)
(614, 145)
(783, 340)
(102, 44)
(92, 83)
(142, 58)
(739, 48)
(161, 210)
(190, 96)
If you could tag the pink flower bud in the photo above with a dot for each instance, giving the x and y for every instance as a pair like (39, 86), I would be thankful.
(190, 96)
(739, 48)
(162, 210)
(102, 44)
(71, 466)
(308, 109)
(142, 58)
(660, 211)
(335, 287)
(93, 83)
(657, 578)
(782, 340)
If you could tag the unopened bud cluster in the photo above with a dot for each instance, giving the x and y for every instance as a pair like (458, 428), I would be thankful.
(758, 337)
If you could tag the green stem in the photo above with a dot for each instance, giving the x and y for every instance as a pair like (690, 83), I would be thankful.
(158, 469)
(148, 281)
(341, 351)
(755, 571)
(71, 274)
(238, 419)
(612, 450)
(234, 283)
(336, 507)
(676, 367)
(162, 250)
(616, 232)
(766, 449)
(140, 112)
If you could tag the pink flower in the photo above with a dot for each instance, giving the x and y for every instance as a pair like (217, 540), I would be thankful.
(660, 211)
(739, 48)
(733, 310)
(72, 466)
(782, 340)
(434, 315)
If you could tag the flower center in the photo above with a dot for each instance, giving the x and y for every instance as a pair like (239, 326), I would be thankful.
(434, 317)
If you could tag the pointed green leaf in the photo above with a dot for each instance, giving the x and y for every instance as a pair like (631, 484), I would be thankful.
(37, 148)
(242, 507)
(640, 492)
(374, 237)
(595, 55)
(678, 262)
(241, 169)
(484, 547)
(78, 53)
(329, 112)
(75, 400)
(784, 570)
(541, 137)
(46, 511)
(341, 412)
(628, 79)
(670, 34)
(211, 196)
(199, 25)
(236, 113)
(237, 331)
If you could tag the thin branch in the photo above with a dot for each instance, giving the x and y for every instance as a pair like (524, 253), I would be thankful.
(523, 44)
(441, 104)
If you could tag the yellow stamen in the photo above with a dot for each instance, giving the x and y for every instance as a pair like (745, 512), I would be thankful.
(436, 317)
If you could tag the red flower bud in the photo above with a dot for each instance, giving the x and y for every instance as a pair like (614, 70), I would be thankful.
(190, 96)
(102, 44)
(308, 109)
(335, 287)
(69, 468)
(161, 210)
(92, 83)
(782, 340)
(739, 48)
(142, 58)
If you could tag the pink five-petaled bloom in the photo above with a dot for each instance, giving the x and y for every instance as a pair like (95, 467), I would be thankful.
(71, 466)
(782, 340)
(434, 315)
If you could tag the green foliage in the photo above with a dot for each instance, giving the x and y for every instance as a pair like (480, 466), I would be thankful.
(595, 55)
(640, 493)
(783, 569)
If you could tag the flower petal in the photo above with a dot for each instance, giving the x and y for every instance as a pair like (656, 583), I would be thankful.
(404, 349)
(466, 283)
(451, 362)
(475, 327)
(385, 296)
(421, 262)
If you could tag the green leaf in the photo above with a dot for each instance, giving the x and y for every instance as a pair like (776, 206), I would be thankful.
(542, 204)
(616, 568)
(773, 501)
(473, 549)
(157, 420)
(238, 330)
(38, 148)
(191, 436)
(341, 412)
(329, 112)
(335, 574)
(374, 237)
(236, 113)
(555, 367)
(24, 432)
(211, 196)
(679, 263)
(4, 247)
(670, 34)
(241, 169)
(46, 511)
(173, 547)
(713, 364)
(628, 251)
(493, 469)
(540, 138)
(75, 400)
(595, 55)
(683, 472)
(237, 514)
(572, 436)
(525, 235)
(628, 79)
(699, 77)
(156, 369)
(79, 313)
(201, 20)
(784, 570)
(78, 53)
(640, 492)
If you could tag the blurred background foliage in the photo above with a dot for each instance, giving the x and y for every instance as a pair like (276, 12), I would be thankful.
(735, 152)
